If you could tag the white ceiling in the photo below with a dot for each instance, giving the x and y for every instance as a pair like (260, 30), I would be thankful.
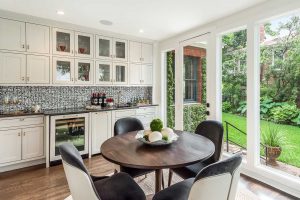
(159, 19)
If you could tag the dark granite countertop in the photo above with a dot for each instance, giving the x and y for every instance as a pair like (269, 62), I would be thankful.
(69, 111)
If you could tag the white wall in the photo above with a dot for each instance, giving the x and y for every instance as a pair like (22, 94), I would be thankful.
(247, 18)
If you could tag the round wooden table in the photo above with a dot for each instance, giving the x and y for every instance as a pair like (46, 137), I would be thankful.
(126, 151)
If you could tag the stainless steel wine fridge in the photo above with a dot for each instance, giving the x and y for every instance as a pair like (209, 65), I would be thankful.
(68, 128)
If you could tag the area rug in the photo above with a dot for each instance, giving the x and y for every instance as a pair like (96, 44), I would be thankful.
(147, 184)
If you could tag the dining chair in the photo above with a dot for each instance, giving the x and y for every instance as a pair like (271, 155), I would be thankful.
(82, 185)
(212, 130)
(123, 126)
(217, 181)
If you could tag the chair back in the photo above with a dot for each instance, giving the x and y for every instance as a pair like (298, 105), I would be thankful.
(217, 181)
(79, 180)
(212, 130)
(126, 125)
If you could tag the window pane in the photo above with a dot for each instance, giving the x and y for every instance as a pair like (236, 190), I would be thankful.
(280, 94)
(234, 79)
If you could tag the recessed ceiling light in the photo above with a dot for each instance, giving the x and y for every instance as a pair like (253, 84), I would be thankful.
(106, 22)
(60, 12)
(141, 31)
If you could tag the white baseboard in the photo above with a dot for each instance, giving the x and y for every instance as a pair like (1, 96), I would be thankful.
(22, 165)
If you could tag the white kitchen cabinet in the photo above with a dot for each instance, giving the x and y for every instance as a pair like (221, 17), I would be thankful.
(101, 129)
(141, 52)
(32, 142)
(10, 145)
(37, 38)
(38, 69)
(120, 73)
(135, 52)
(104, 47)
(12, 35)
(84, 70)
(84, 45)
(63, 42)
(104, 72)
(120, 50)
(140, 74)
(12, 68)
(63, 70)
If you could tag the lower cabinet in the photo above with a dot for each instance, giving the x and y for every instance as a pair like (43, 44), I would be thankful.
(10, 146)
(32, 142)
(101, 129)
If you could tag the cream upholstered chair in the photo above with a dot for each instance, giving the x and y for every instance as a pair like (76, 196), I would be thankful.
(82, 185)
(217, 181)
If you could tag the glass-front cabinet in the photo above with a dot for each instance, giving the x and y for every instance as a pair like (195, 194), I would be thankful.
(83, 71)
(104, 47)
(103, 72)
(120, 49)
(63, 70)
(68, 128)
(120, 73)
(63, 42)
(83, 45)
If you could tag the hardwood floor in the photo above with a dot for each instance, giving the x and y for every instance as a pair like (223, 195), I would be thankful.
(37, 182)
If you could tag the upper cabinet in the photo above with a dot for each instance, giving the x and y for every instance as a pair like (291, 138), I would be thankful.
(63, 42)
(84, 45)
(141, 52)
(84, 71)
(37, 38)
(12, 35)
(110, 48)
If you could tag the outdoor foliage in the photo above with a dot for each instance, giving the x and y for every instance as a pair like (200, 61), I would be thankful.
(193, 115)
(170, 89)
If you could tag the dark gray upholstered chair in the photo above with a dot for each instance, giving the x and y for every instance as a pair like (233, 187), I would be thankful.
(123, 126)
(212, 130)
(82, 185)
(217, 181)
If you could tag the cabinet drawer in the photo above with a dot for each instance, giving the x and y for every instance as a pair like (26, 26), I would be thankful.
(147, 110)
(125, 113)
(21, 121)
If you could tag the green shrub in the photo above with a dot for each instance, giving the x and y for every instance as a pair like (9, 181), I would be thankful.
(284, 114)
(193, 114)
(273, 137)
(226, 107)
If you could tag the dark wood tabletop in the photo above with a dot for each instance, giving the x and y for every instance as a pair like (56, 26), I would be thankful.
(127, 151)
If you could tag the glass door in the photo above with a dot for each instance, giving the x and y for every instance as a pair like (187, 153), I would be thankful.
(103, 72)
(83, 71)
(120, 50)
(104, 47)
(63, 42)
(63, 69)
(84, 45)
(120, 73)
(194, 85)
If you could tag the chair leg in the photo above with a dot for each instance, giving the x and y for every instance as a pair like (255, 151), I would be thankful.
(170, 177)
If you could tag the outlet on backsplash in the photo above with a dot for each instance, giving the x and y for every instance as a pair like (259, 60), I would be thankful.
(60, 97)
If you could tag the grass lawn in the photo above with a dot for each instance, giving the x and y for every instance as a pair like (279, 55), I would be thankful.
(292, 133)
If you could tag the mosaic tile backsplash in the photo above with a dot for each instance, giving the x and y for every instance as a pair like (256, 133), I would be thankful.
(57, 97)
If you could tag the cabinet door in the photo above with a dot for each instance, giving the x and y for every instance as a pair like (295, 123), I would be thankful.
(37, 38)
(147, 74)
(12, 68)
(104, 47)
(135, 54)
(12, 35)
(104, 73)
(101, 129)
(84, 71)
(147, 53)
(32, 142)
(120, 73)
(135, 74)
(120, 50)
(63, 42)
(10, 145)
(38, 69)
(63, 70)
(84, 45)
